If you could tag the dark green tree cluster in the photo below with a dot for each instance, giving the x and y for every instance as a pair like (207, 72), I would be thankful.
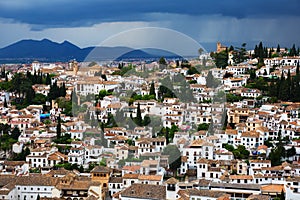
(21, 156)
(258, 83)
(203, 127)
(240, 153)
(165, 92)
(56, 91)
(6, 137)
(69, 166)
(162, 63)
(293, 51)
(102, 94)
(39, 78)
(239, 53)
(221, 58)
(123, 70)
(279, 153)
(260, 52)
(286, 89)
(185, 64)
(233, 98)
(22, 86)
(135, 97)
(168, 133)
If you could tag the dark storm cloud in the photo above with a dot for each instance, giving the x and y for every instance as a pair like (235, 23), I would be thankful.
(67, 13)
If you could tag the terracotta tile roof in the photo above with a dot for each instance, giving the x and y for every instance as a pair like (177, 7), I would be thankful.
(101, 169)
(78, 185)
(262, 147)
(172, 181)
(250, 134)
(231, 132)
(36, 180)
(258, 197)
(240, 177)
(132, 168)
(272, 188)
(60, 171)
(235, 185)
(130, 176)
(207, 193)
(5, 179)
(13, 163)
(146, 163)
(200, 142)
(115, 180)
(260, 161)
(150, 177)
(155, 192)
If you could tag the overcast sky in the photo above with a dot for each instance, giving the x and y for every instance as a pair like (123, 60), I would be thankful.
(90, 22)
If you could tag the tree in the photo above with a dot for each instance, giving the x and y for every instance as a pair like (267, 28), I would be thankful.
(261, 54)
(152, 89)
(102, 94)
(200, 51)
(15, 133)
(240, 53)
(162, 63)
(138, 119)
(203, 126)
(282, 195)
(174, 156)
(221, 59)
(291, 152)
(277, 153)
(278, 48)
(58, 128)
(229, 147)
(48, 79)
(293, 51)
(5, 103)
(130, 142)
(62, 90)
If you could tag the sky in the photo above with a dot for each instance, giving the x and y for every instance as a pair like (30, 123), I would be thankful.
(94, 22)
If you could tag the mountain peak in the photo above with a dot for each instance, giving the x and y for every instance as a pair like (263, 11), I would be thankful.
(45, 40)
(49, 51)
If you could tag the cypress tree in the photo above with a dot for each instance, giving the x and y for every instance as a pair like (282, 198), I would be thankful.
(293, 50)
(5, 103)
(152, 89)
(58, 127)
(278, 48)
(261, 53)
(270, 54)
(48, 79)
(138, 118)
(289, 85)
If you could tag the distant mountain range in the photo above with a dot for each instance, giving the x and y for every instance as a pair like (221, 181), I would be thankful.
(45, 50)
